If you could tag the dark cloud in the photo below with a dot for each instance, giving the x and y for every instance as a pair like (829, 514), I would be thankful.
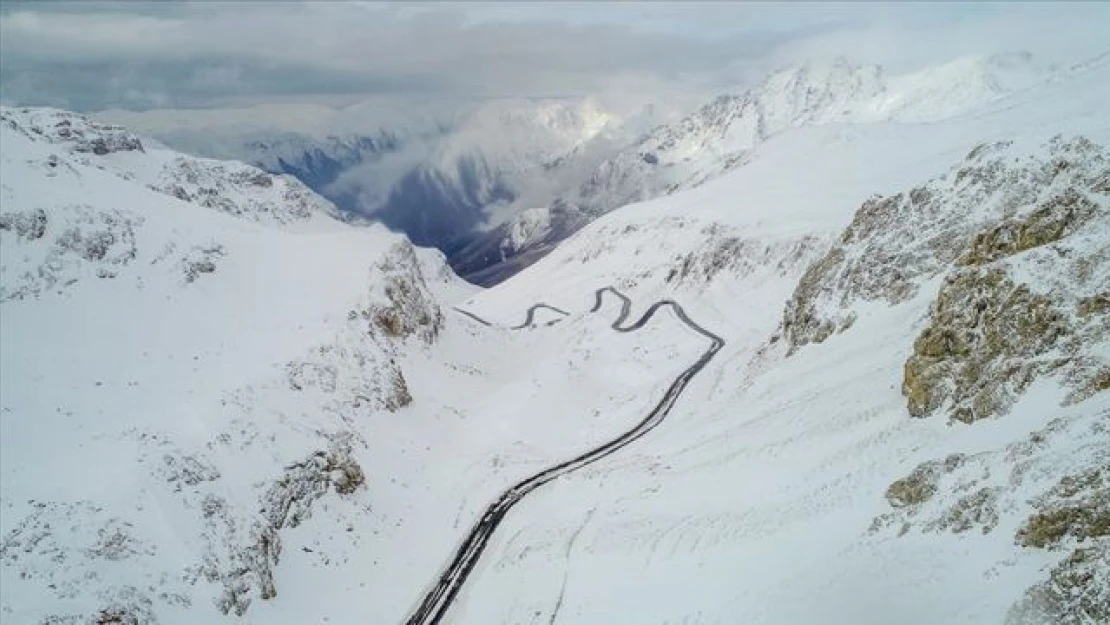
(92, 56)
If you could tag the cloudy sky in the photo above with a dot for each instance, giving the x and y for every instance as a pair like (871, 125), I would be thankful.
(92, 56)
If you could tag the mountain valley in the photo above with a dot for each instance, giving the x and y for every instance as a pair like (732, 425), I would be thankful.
(833, 350)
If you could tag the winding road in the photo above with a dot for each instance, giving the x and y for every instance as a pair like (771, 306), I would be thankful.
(530, 317)
(440, 597)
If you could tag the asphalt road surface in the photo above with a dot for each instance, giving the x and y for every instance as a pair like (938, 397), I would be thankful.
(443, 593)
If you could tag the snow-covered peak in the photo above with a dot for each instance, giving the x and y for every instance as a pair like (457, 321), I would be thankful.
(725, 133)
(813, 93)
(66, 143)
(77, 133)
(953, 88)
(718, 136)
(842, 91)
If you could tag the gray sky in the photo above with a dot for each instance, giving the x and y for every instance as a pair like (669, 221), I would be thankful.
(90, 56)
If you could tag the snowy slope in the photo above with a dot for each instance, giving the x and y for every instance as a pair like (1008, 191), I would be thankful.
(213, 417)
(797, 487)
(154, 347)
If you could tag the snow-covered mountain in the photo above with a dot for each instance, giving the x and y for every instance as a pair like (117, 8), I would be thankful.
(315, 143)
(471, 181)
(719, 136)
(184, 344)
(906, 422)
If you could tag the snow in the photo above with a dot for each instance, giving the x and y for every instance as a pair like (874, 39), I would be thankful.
(596, 153)
(103, 378)
(105, 373)
(770, 472)
(753, 502)
(528, 145)
(721, 135)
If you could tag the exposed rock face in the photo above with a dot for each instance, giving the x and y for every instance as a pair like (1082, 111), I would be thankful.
(27, 225)
(201, 260)
(920, 485)
(286, 503)
(986, 209)
(241, 190)
(1019, 251)
(83, 135)
(965, 491)
(235, 188)
(412, 310)
(350, 372)
(1022, 247)
(740, 256)
(989, 337)
(910, 495)
(1077, 591)
(83, 237)
(1056, 218)
(1077, 507)
(985, 343)
(1074, 515)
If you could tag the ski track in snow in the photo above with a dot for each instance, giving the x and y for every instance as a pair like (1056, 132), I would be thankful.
(438, 600)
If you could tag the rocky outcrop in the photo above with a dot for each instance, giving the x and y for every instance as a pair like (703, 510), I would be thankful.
(991, 206)
(1076, 592)
(1018, 250)
(1078, 508)
(59, 249)
(987, 340)
(1065, 518)
(912, 499)
(740, 256)
(235, 188)
(26, 225)
(1060, 216)
(78, 132)
(411, 309)
(286, 503)
(1074, 515)
(1019, 246)
(241, 190)
(200, 260)
(357, 373)
(920, 485)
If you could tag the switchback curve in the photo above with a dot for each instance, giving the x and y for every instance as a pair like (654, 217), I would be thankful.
(440, 597)
(528, 319)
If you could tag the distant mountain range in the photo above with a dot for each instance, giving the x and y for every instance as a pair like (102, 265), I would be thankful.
(496, 184)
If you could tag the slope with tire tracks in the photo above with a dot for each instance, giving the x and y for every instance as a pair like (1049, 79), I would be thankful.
(440, 597)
